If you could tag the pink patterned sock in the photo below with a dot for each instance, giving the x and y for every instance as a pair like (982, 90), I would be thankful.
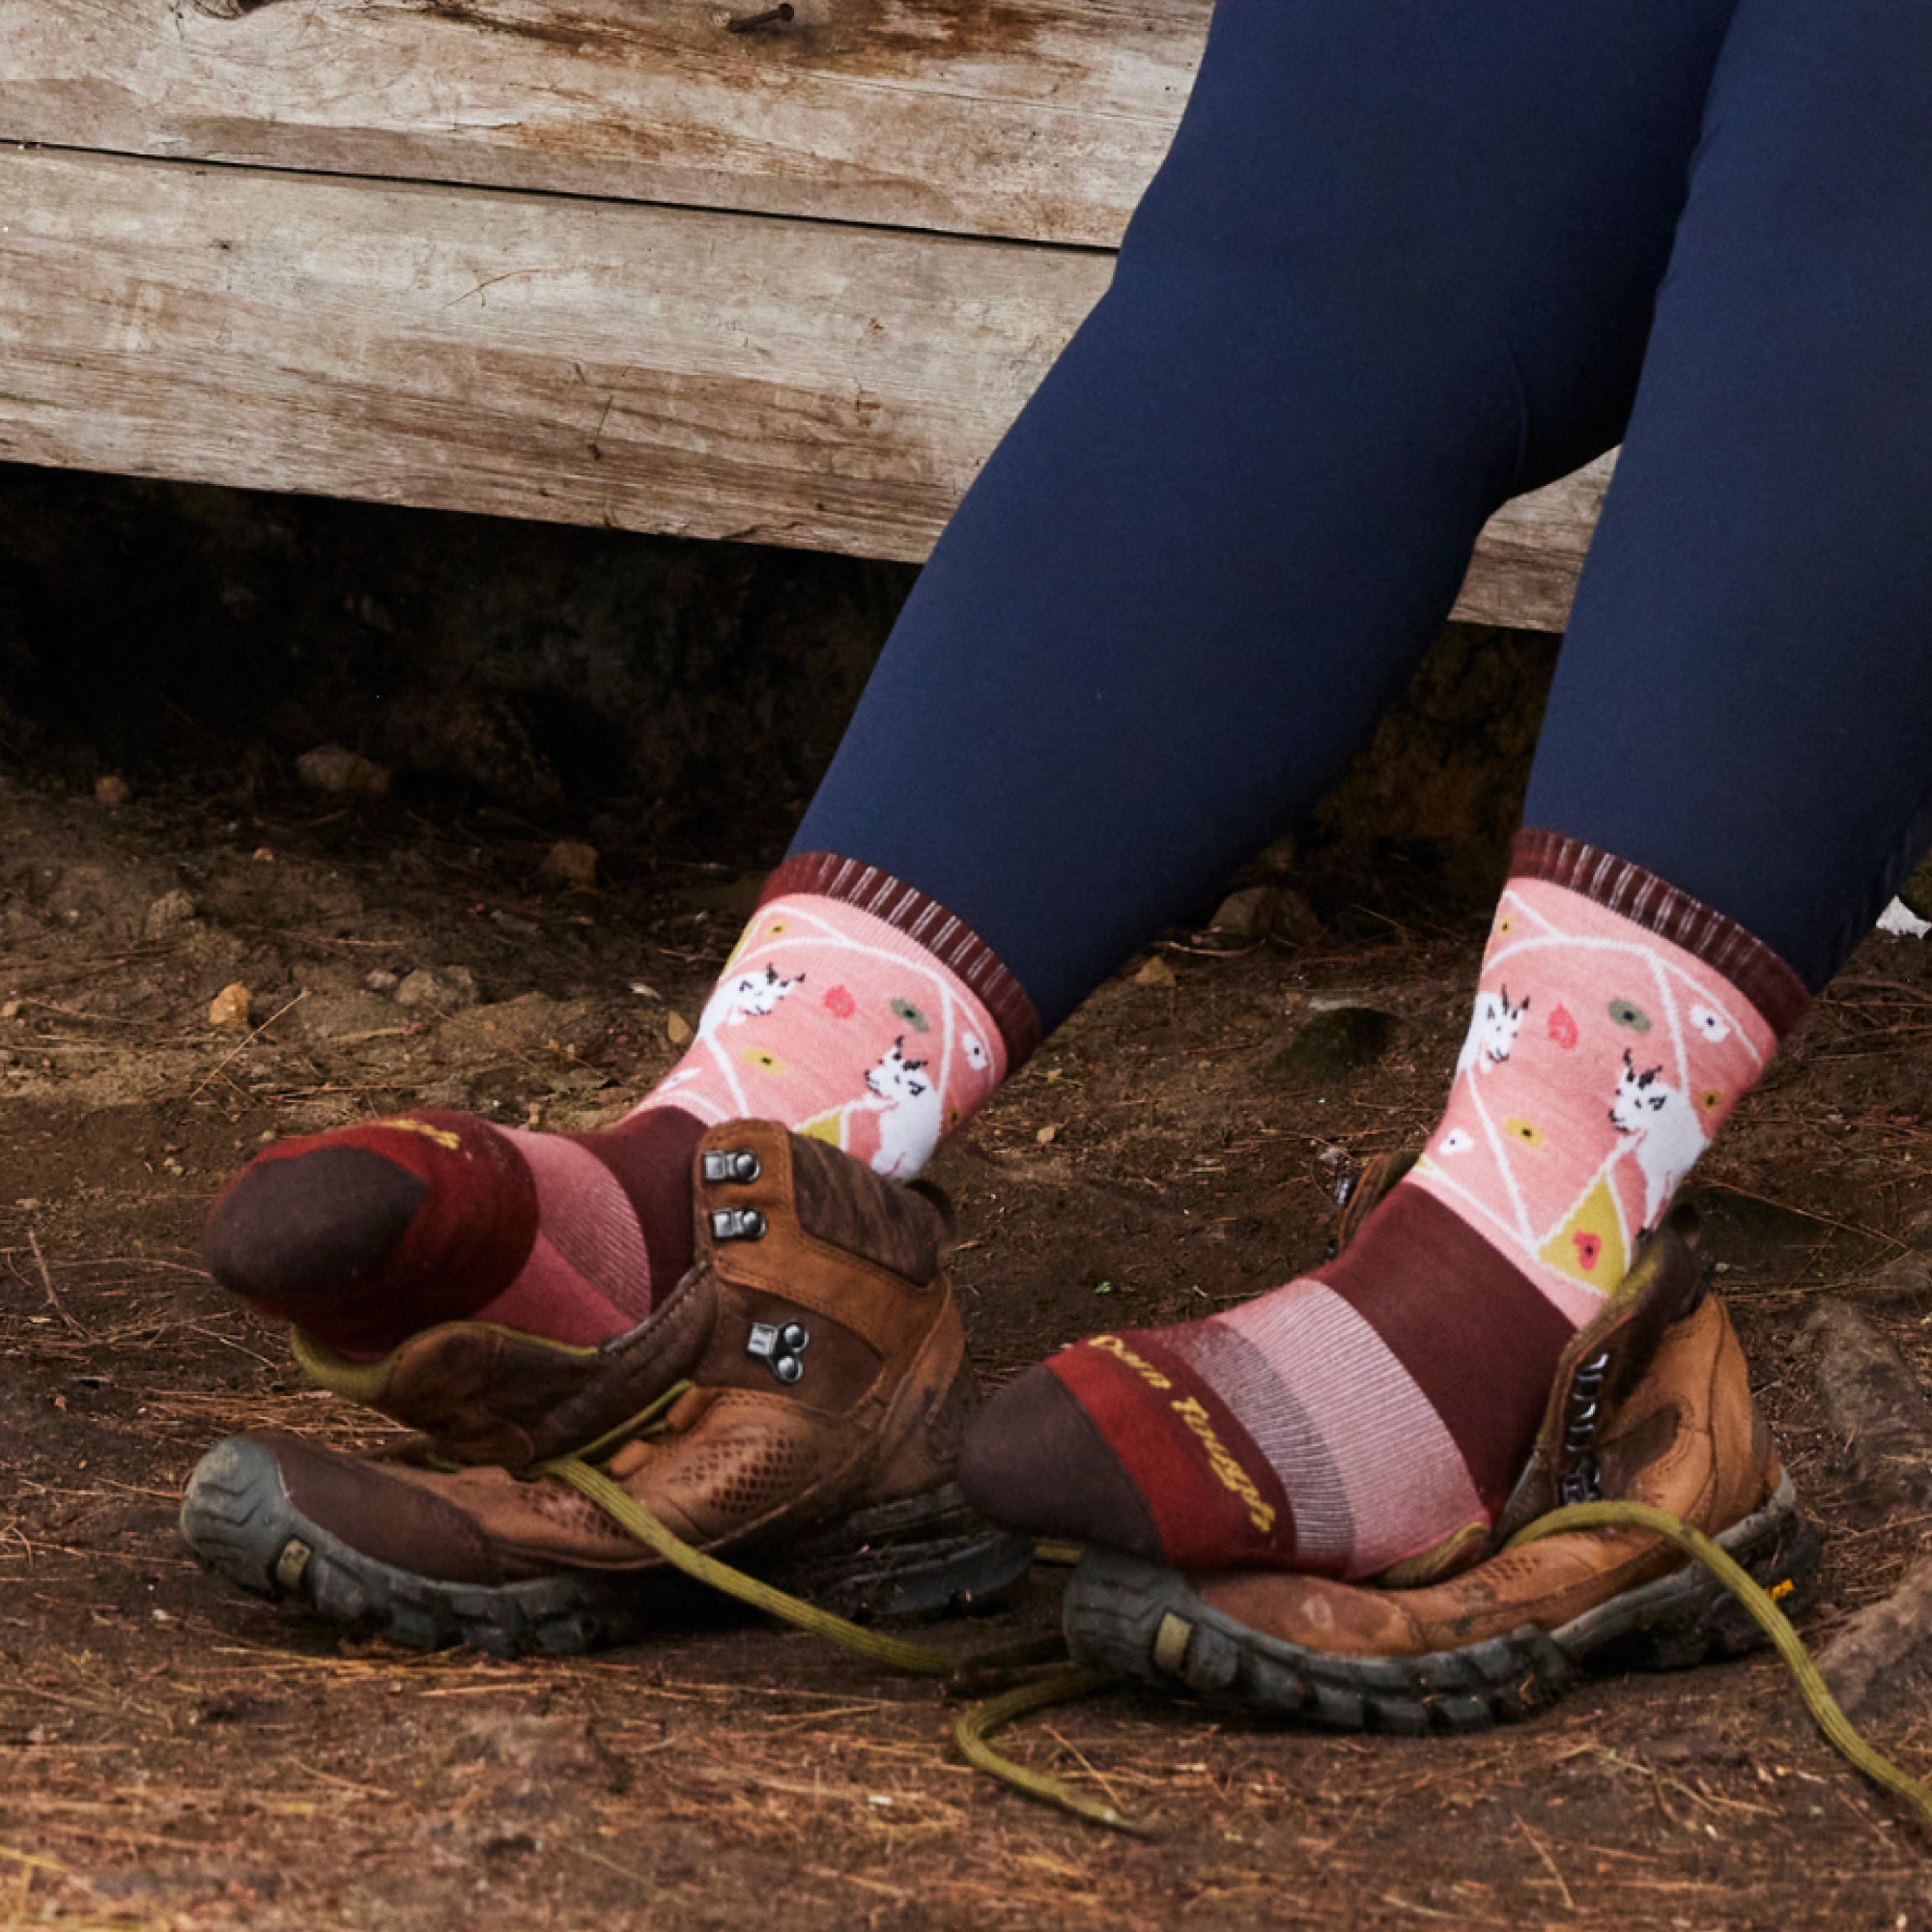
(1600, 1061)
(1378, 1412)
(837, 1024)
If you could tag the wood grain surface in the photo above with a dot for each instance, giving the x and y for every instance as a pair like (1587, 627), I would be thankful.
(659, 369)
(1527, 560)
(680, 371)
(1034, 120)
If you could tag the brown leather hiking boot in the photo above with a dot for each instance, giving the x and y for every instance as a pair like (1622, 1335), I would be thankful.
(802, 1392)
(483, 1393)
(1651, 1403)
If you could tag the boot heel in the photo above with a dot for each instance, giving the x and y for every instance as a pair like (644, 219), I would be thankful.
(1776, 1548)
(923, 1556)
(1788, 1571)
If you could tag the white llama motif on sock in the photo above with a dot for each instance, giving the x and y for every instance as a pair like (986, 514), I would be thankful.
(1492, 1031)
(909, 1112)
(1667, 1134)
(750, 996)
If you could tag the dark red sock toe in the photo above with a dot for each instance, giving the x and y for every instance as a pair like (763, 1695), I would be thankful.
(288, 1231)
(1032, 1458)
(361, 1237)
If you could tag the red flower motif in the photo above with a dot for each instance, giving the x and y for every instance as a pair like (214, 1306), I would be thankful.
(1588, 1248)
(1562, 1027)
(841, 1004)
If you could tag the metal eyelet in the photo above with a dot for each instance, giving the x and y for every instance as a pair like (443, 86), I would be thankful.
(779, 1348)
(737, 1224)
(1583, 1483)
(735, 1164)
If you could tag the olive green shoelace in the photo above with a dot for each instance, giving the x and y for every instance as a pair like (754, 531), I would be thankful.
(1838, 1729)
(961, 1670)
(964, 1671)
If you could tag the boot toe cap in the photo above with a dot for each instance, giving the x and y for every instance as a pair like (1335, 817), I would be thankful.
(251, 1493)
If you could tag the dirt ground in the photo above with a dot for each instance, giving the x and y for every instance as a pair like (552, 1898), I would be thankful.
(179, 1756)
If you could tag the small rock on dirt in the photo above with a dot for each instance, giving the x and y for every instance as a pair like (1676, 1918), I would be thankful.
(348, 1019)
(1879, 1663)
(1267, 912)
(333, 768)
(1900, 1286)
(446, 988)
(569, 863)
(677, 1029)
(1155, 973)
(111, 790)
(379, 980)
(169, 915)
(1246, 915)
(1334, 1042)
(229, 1008)
(553, 1753)
(1698, 1743)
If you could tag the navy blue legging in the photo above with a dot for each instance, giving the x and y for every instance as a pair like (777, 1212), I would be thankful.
(1406, 259)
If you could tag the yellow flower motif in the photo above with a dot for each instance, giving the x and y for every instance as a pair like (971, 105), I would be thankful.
(1504, 927)
(765, 1062)
(777, 926)
(1711, 1099)
(1518, 1128)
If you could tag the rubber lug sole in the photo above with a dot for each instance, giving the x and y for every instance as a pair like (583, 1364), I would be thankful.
(924, 1557)
(1136, 1619)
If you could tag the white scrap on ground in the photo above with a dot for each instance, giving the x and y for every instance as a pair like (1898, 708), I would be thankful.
(1899, 919)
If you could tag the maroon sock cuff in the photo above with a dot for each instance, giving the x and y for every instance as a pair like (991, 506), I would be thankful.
(1620, 887)
(946, 936)
(649, 1154)
(1206, 1486)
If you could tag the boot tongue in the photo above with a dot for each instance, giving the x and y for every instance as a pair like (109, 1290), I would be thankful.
(1604, 1361)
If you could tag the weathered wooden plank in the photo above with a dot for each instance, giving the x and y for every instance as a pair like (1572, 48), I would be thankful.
(710, 375)
(579, 361)
(1039, 120)
(1527, 560)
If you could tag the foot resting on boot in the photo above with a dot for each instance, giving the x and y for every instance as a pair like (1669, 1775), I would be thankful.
(853, 1010)
(1651, 1404)
(1378, 1413)
(800, 1393)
